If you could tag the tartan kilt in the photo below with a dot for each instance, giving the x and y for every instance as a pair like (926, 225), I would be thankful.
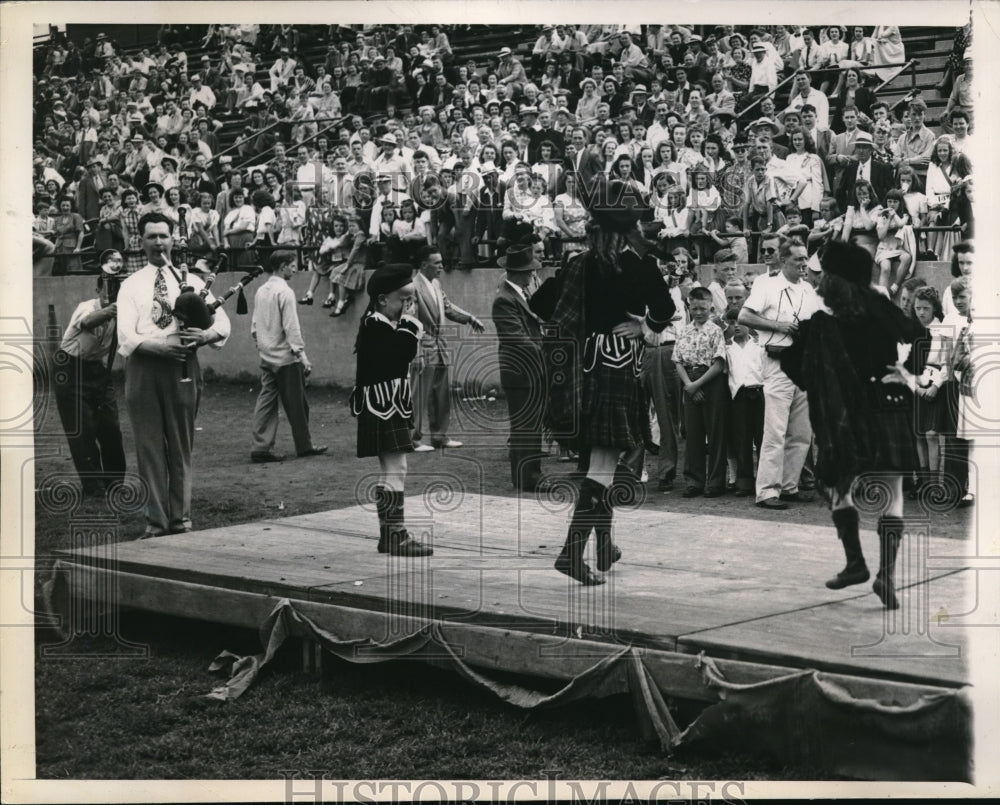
(615, 408)
(893, 430)
(376, 435)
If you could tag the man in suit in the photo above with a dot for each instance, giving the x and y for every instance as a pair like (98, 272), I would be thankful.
(842, 147)
(522, 367)
(88, 193)
(587, 161)
(543, 132)
(878, 173)
(442, 91)
(430, 372)
(822, 138)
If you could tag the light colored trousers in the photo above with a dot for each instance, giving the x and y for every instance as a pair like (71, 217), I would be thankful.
(786, 433)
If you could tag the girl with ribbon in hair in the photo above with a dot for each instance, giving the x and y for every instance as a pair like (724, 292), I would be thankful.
(854, 358)
(605, 300)
(388, 340)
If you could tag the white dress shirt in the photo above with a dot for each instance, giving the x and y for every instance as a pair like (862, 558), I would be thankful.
(135, 310)
(777, 299)
(744, 365)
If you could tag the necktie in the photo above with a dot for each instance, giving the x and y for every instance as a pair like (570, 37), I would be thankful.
(161, 305)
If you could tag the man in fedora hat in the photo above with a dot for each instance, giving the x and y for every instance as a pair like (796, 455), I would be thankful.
(392, 163)
(282, 70)
(522, 366)
(878, 174)
(511, 71)
(763, 72)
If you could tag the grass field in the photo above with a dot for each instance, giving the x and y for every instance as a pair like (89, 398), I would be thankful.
(117, 718)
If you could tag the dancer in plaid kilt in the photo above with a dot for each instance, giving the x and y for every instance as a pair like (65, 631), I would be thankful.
(604, 301)
(388, 339)
(849, 360)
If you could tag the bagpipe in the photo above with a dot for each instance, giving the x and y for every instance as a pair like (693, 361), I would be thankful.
(192, 308)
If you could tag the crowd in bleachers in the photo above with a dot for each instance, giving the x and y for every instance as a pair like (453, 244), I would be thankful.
(387, 139)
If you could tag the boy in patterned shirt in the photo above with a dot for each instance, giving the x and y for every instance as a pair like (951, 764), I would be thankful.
(700, 355)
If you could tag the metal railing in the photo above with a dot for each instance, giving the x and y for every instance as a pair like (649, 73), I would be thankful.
(88, 255)
(909, 65)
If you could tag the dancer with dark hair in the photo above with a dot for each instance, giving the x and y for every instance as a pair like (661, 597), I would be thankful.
(605, 300)
(388, 340)
(854, 360)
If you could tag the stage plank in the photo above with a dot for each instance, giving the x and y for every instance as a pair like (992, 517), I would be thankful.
(857, 635)
(730, 586)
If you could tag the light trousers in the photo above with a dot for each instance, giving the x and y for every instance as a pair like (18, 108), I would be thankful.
(786, 433)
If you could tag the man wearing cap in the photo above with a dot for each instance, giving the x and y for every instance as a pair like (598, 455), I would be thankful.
(522, 366)
(431, 381)
(510, 71)
(878, 174)
(162, 405)
(804, 93)
(282, 70)
(391, 163)
(201, 93)
(385, 193)
(85, 395)
(543, 46)
(763, 72)
(88, 192)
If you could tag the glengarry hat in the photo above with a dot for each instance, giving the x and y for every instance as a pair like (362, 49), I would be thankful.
(389, 278)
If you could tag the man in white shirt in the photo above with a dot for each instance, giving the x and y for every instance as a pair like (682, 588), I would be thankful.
(309, 175)
(162, 376)
(386, 194)
(744, 369)
(282, 70)
(283, 363)
(763, 73)
(810, 54)
(803, 92)
(201, 93)
(392, 163)
(774, 309)
(85, 395)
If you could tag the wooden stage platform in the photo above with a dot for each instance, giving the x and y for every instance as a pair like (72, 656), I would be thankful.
(747, 592)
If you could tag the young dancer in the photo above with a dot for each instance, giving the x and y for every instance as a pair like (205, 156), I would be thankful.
(388, 339)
